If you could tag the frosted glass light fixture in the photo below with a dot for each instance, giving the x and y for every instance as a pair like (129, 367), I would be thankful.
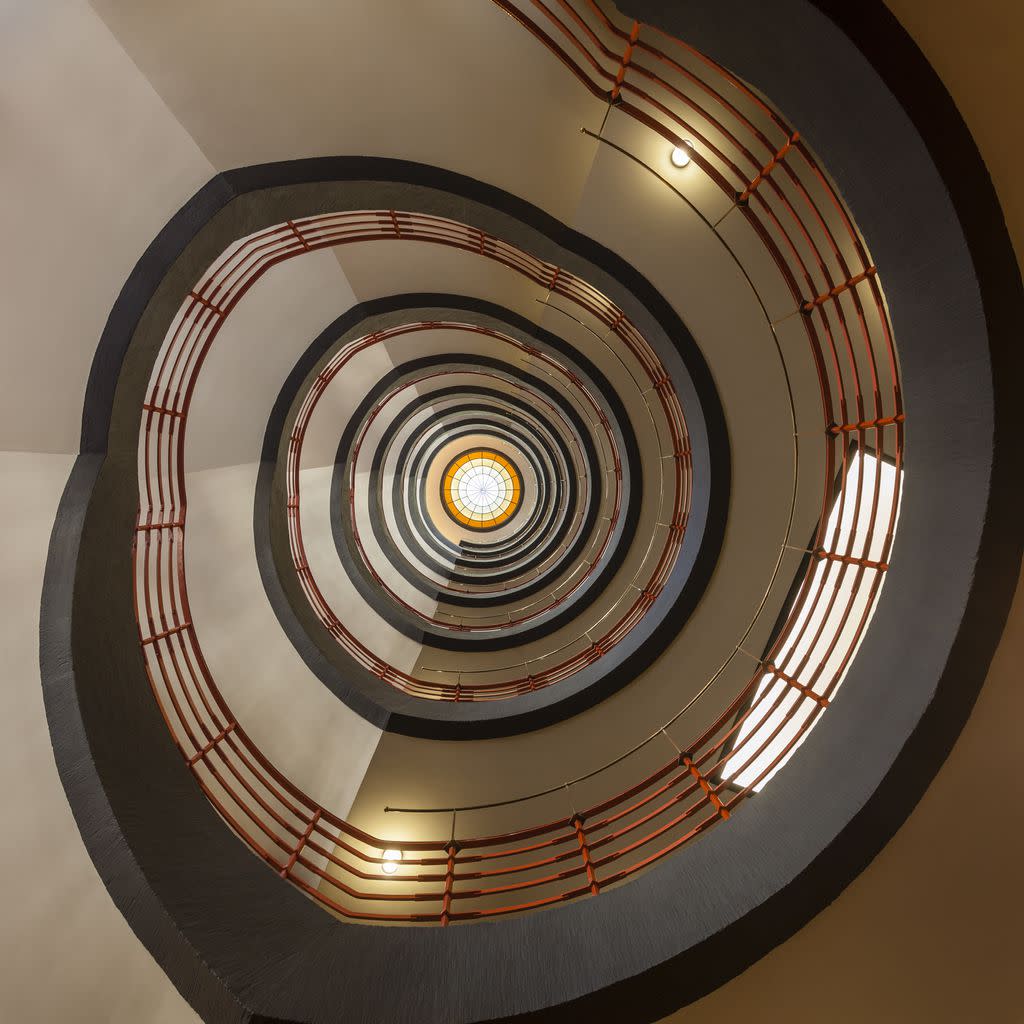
(481, 489)
(680, 155)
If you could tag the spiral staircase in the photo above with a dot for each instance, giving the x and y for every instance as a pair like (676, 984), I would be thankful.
(511, 505)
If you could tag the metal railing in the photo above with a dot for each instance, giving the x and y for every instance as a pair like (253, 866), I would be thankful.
(642, 592)
(605, 831)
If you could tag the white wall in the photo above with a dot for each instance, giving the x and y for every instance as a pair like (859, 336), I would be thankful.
(66, 953)
(314, 738)
(91, 167)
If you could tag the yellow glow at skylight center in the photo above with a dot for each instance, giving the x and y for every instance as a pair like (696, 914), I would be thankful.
(481, 489)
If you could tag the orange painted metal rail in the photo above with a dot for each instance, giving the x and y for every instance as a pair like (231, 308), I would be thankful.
(745, 149)
(632, 607)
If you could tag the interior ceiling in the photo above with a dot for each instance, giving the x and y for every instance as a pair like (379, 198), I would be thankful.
(889, 927)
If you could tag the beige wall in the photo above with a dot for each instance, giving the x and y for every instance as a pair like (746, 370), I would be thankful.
(66, 953)
(92, 165)
(930, 932)
(317, 740)
(225, 68)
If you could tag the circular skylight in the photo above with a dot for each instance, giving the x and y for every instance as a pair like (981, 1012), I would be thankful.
(481, 489)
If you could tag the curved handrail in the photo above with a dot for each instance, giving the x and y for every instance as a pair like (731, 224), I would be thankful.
(617, 629)
(786, 202)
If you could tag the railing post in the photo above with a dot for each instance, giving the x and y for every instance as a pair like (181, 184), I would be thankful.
(581, 838)
(745, 195)
(303, 839)
(797, 685)
(686, 760)
(201, 754)
(848, 428)
(810, 305)
(449, 880)
(627, 56)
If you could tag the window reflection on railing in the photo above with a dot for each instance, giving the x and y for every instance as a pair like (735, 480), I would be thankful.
(812, 660)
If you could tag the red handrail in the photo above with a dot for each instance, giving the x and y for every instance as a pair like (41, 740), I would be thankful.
(786, 201)
(538, 675)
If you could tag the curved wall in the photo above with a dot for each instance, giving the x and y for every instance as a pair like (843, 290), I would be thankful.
(928, 931)
(970, 909)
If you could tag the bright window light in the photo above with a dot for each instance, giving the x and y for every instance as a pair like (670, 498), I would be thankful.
(817, 629)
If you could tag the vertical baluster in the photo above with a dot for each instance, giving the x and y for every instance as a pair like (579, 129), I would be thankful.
(581, 838)
(449, 880)
(303, 839)
(686, 760)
